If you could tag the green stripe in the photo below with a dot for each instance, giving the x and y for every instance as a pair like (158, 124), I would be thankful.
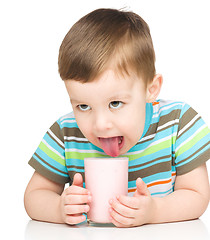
(51, 154)
(78, 155)
(193, 141)
(153, 149)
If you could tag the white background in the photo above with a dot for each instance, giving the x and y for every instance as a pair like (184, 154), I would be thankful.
(32, 95)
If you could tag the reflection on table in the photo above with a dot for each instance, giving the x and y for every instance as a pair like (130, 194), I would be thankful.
(193, 230)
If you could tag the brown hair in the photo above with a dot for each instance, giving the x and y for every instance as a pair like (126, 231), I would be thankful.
(107, 38)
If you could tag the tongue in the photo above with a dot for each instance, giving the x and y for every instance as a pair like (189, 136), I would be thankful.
(110, 145)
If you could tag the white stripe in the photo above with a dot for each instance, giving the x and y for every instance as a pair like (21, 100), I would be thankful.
(55, 137)
(162, 187)
(168, 124)
(191, 137)
(69, 121)
(166, 108)
(163, 103)
(159, 128)
(51, 148)
(161, 140)
(189, 124)
(83, 151)
(156, 107)
(69, 115)
(155, 115)
(147, 137)
(76, 138)
(130, 194)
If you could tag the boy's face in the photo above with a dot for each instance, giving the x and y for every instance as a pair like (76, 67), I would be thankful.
(110, 111)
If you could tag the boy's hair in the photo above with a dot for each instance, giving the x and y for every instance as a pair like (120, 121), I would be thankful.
(107, 38)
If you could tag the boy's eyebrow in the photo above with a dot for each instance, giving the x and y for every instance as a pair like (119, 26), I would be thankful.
(73, 100)
(116, 96)
(119, 96)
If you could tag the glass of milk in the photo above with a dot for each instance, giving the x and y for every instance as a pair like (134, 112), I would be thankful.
(105, 178)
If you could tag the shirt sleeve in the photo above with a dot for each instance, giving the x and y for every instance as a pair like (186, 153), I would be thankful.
(49, 158)
(192, 147)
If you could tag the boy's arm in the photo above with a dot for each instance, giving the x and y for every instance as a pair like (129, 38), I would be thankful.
(188, 201)
(47, 201)
(42, 199)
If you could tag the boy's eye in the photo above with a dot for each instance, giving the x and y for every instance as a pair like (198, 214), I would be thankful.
(115, 104)
(83, 107)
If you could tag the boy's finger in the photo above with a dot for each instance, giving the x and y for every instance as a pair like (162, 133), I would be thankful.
(78, 180)
(77, 199)
(76, 209)
(117, 224)
(121, 220)
(75, 219)
(76, 190)
(131, 202)
(122, 209)
(141, 188)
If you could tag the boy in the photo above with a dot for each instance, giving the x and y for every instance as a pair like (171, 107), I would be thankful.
(107, 62)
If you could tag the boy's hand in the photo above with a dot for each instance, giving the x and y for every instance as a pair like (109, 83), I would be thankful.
(74, 201)
(133, 211)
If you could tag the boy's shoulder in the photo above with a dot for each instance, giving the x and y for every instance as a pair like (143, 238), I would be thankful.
(67, 121)
(68, 128)
(163, 107)
(166, 113)
(163, 104)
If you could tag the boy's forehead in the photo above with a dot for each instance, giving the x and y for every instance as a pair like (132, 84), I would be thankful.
(109, 85)
(108, 78)
(108, 89)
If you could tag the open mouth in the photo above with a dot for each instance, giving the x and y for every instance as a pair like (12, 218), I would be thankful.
(112, 145)
(120, 139)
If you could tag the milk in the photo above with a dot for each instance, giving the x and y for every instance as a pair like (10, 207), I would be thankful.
(105, 178)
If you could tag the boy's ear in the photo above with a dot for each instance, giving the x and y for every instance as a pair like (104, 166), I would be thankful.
(153, 88)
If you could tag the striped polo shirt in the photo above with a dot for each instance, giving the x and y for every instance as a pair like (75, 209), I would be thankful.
(175, 141)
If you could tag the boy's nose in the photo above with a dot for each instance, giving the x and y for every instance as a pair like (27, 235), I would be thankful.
(102, 123)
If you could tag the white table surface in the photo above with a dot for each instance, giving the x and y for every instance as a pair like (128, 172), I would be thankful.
(18, 226)
(192, 230)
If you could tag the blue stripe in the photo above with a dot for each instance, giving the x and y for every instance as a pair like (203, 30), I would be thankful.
(185, 108)
(189, 133)
(50, 160)
(150, 164)
(80, 145)
(157, 177)
(195, 148)
(76, 170)
(69, 125)
(54, 144)
(147, 158)
(192, 158)
(163, 193)
(75, 162)
(160, 135)
(49, 168)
